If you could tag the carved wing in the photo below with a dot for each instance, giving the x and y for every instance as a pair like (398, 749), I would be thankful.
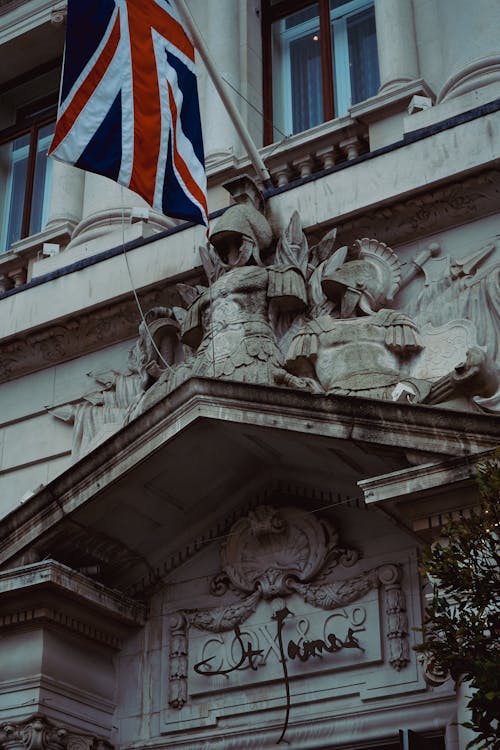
(318, 298)
(333, 595)
(220, 619)
(187, 293)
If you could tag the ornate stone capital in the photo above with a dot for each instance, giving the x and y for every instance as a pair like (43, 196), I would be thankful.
(38, 733)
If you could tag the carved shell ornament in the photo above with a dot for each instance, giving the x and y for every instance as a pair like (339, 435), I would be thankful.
(271, 549)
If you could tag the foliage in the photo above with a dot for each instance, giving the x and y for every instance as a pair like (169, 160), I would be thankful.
(462, 623)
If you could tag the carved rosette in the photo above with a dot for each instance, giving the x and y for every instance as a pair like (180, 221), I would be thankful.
(38, 733)
(434, 675)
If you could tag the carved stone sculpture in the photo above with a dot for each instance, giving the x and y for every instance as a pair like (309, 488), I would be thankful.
(278, 312)
(157, 353)
(230, 325)
(270, 548)
(366, 349)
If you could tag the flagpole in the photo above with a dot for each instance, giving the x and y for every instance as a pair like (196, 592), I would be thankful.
(233, 112)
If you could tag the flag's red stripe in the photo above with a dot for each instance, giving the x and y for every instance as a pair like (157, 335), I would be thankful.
(143, 16)
(146, 95)
(163, 23)
(180, 164)
(89, 85)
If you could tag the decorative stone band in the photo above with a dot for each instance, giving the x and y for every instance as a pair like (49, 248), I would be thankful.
(38, 733)
(327, 596)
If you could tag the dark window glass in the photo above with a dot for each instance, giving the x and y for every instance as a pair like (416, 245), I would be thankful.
(363, 62)
(25, 176)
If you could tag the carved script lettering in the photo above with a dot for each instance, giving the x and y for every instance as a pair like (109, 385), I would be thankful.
(248, 657)
(316, 647)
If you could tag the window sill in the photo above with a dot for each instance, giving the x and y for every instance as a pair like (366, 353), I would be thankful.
(390, 102)
(16, 264)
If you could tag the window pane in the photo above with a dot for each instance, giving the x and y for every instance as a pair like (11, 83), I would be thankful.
(15, 165)
(337, 3)
(297, 88)
(302, 15)
(41, 184)
(363, 60)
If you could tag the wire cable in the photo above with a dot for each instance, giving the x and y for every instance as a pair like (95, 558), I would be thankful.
(134, 291)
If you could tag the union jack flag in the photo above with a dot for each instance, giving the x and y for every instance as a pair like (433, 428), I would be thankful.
(129, 103)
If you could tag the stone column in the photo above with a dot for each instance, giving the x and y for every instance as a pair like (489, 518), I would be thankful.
(109, 208)
(471, 45)
(397, 48)
(222, 35)
(465, 735)
(66, 196)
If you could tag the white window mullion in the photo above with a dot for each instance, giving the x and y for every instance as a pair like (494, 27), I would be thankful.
(287, 84)
(342, 82)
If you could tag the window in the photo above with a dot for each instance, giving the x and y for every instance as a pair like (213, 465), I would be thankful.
(28, 108)
(25, 173)
(323, 58)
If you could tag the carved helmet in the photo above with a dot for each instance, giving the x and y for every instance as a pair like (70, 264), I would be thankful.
(368, 282)
(243, 226)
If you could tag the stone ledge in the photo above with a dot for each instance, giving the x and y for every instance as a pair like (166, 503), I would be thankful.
(393, 100)
(418, 480)
(51, 593)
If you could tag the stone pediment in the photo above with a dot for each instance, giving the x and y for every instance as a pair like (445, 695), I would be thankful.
(167, 481)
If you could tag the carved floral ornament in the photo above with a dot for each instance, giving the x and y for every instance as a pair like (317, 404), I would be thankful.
(279, 552)
(38, 733)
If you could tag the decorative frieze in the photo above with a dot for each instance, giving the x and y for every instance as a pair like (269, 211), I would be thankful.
(76, 336)
(421, 215)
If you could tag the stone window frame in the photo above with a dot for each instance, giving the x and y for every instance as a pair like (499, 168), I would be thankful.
(31, 116)
(30, 120)
(275, 10)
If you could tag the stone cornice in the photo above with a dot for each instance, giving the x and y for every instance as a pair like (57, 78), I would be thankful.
(25, 15)
(420, 480)
(359, 421)
(428, 211)
(49, 592)
(78, 335)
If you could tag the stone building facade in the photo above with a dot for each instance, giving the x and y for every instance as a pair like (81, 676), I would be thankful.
(218, 461)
